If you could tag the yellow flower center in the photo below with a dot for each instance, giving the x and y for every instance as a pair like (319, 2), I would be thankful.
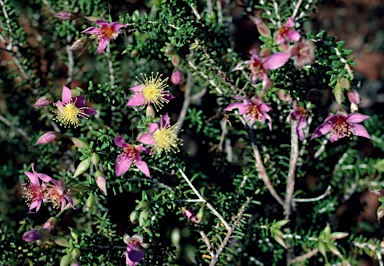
(254, 112)
(106, 32)
(55, 195)
(153, 91)
(342, 128)
(166, 140)
(32, 192)
(68, 115)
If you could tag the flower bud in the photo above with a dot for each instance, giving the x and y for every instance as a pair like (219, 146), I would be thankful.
(261, 27)
(134, 216)
(75, 263)
(74, 233)
(82, 167)
(61, 241)
(101, 181)
(65, 260)
(284, 96)
(90, 202)
(42, 101)
(95, 159)
(175, 60)
(31, 235)
(79, 45)
(50, 224)
(354, 97)
(338, 93)
(177, 77)
(65, 15)
(80, 143)
(189, 215)
(75, 253)
(47, 137)
(143, 217)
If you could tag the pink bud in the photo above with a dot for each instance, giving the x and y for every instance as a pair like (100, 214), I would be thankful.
(261, 27)
(354, 97)
(50, 224)
(176, 77)
(42, 101)
(79, 45)
(65, 15)
(31, 235)
(189, 215)
(101, 181)
(48, 137)
(284, 96)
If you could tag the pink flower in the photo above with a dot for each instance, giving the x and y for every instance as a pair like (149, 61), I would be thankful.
(129, 154)
(70, 110)
(135, 252)
(47, 137)
(260, 66)
(42, 101)
(162, 136)
(57, 194)
(342, 125)
(151, 91)
(300, 115)
(31, 235)
(34, 192)
(287, 33)
(105, 32)
(253, 109)
(303, 52)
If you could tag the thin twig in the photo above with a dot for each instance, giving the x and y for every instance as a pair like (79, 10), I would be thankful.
(305, 256)
(219, 11)
(207, 242)
(322, 196)
(321, 149)
(71, 62)
(215, 257)
(297, 6)
(264, 176)
(18, 130)
(145, 180)
(186, 103)
(218, 215)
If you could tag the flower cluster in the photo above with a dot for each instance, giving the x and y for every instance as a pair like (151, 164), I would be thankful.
(50, 190)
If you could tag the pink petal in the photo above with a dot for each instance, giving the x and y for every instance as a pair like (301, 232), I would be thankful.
(140, 148)
(137, 89)
(241, 106)
(116, 26)
(143, 167)
(302, 123)
(102, 44)
(279, 39)
(66, 95)
(263, 107)
(120, 142)
(70, 201)
(122, 164)
(168, 96)
(165, 121)
(102, 23)
(136, 99)
(44, 177)
(293, 36)
(147, 138)
(276, 60)
(321, 130)
(359, 130)
(356, 118)
(89, 111)
(267, 117)
(332, 118)
(335, 137)
(240, 66)
(33, 178)
(35, 204)
(290, 23)
(91, 30)
(153, 127)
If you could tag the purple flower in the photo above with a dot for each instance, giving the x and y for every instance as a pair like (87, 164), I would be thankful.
(47, 137)
(34, 192)
(260, 66)
(287, 33)
(303, 52)
(57, 194)
(253, 109)
(162, 136)
(342, 125)
(129, 154)
(151, 91)
(31, 235)
(105, 32)
(70, 110)
(134, 253)
(300, 115)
